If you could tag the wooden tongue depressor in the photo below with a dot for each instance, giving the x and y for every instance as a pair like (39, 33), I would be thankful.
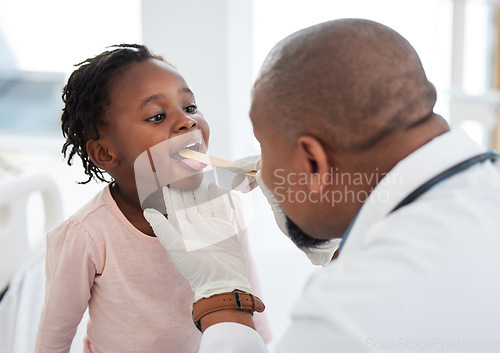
(206, 159)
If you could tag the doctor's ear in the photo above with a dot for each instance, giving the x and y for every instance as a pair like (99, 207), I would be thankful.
(315, 161)
(101, 155)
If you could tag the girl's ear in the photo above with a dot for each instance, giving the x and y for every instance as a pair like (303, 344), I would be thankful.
(315, 162)
(101, 155)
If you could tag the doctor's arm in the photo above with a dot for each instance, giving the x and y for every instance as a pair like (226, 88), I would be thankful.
(215, 265)
(201, 239)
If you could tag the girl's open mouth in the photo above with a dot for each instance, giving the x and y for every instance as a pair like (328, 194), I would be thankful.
(189, 163)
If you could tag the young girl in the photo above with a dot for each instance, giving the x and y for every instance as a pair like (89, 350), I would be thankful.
(118, 105)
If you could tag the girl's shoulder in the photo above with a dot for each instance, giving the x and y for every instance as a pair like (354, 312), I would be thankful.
(83, 233)
(83, 221)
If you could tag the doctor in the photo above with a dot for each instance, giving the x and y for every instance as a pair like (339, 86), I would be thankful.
(345, 107)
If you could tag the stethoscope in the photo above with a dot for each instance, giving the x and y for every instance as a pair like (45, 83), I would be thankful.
(458, 168)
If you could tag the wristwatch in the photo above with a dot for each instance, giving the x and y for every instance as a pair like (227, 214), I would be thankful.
(233, 300)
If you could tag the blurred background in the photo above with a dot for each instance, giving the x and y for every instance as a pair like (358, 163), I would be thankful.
(218, 46)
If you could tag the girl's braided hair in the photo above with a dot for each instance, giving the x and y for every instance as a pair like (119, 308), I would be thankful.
(86, 98)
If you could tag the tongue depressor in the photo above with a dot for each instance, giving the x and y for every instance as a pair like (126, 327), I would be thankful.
(206, 159)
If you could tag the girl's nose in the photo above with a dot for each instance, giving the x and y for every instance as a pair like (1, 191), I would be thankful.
(185, 123)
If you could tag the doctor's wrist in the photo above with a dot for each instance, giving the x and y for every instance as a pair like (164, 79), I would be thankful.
(227, 315)
(236, 306)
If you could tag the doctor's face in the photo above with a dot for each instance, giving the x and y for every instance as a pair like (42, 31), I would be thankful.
(281, 172)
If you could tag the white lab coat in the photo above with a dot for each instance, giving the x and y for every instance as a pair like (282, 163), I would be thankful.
(425, 278)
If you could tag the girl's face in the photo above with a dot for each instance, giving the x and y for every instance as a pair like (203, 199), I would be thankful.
(151, 117)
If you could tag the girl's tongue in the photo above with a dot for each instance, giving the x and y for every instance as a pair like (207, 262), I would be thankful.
(194, 164)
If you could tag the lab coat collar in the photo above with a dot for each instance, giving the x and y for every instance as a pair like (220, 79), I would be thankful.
(434, 157)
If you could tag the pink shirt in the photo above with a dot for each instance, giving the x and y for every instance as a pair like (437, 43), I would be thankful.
(138, 301)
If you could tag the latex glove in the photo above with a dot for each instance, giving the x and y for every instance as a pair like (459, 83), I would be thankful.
(200, 237)
(320, 255)
(242, 182)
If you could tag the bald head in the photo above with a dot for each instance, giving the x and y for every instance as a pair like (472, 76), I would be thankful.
(349, 82)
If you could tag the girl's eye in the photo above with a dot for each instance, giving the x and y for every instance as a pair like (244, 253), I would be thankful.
(157, 117)
(191, 109)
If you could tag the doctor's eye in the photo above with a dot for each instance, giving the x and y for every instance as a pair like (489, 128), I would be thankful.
(191, 109)
(157, 118)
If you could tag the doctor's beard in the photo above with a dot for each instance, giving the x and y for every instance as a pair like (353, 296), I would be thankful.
(301, 239)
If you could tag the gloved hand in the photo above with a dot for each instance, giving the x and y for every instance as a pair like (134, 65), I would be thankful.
(320, 255)
(200, 237)
(242, 182)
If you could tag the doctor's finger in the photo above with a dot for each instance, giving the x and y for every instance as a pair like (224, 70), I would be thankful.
(162, 228)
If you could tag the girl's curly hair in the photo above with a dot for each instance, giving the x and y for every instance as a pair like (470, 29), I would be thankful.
(86, 98)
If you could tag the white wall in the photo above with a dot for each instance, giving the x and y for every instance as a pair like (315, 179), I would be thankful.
(53, 35)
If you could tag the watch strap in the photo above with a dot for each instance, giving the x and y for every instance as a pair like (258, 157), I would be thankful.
(233, 300)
